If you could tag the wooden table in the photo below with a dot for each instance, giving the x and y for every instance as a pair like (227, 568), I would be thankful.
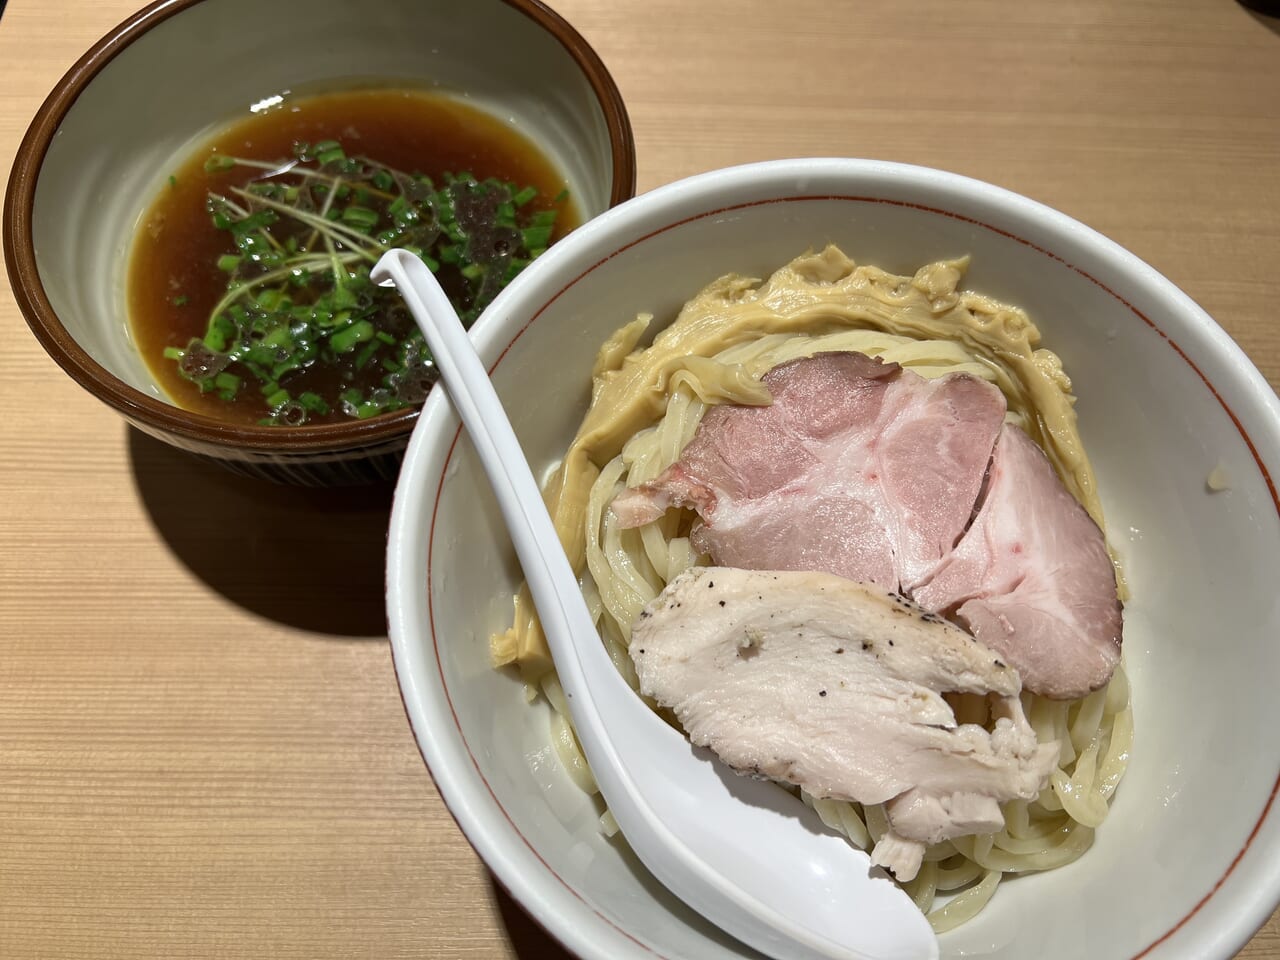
(202, 750)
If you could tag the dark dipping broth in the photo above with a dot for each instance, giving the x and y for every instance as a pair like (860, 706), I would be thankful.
(294, 349)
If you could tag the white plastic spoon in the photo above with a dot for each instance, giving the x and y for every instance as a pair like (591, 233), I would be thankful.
(744, 853)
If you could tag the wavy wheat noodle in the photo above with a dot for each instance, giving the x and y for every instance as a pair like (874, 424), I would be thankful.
(646, 405)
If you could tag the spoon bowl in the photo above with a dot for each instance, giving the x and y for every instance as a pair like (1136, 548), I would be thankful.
(745, 854)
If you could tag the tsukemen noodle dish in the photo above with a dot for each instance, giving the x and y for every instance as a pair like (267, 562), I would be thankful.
(840, 527)
(249, 290)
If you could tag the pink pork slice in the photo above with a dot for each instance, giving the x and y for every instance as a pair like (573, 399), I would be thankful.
(858, 468)
(1032, 579)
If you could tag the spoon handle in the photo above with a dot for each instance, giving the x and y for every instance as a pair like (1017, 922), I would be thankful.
(714, 839)
(584, 675)
(551, 579)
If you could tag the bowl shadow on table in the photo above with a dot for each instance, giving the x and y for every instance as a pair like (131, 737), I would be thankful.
(309, 558)
(1266, 12)
(529, 941)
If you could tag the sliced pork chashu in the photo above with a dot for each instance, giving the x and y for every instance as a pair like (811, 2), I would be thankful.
(858, 467)
(1032, 578)
(836, 687)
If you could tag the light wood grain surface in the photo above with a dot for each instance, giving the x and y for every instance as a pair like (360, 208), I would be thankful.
(202, 749)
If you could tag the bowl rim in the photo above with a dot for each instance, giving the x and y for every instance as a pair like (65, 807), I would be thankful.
(134, 404)
(465, 790)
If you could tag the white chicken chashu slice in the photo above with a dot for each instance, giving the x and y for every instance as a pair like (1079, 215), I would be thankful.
(836, 686)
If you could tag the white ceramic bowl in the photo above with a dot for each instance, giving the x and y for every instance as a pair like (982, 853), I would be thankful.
(1188, 863)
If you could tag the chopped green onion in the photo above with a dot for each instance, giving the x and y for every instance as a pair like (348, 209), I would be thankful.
(330, 155)
(285, 366)
(346, 339)
(253, 223)
(366, 353)
(228, 384)
(361, 217)
(313, 402)
(220, 333)
(278, 337)
(535, 238)
(219, 163)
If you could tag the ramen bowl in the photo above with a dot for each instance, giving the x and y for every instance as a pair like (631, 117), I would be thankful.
(141, 101)
(1187, 864)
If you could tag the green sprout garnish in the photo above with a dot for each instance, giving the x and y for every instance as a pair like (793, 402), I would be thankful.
(303, 237)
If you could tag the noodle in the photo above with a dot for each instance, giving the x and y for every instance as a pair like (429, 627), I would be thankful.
(646, 406)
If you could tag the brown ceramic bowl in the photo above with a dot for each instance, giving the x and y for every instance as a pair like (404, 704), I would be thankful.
(146, 95)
